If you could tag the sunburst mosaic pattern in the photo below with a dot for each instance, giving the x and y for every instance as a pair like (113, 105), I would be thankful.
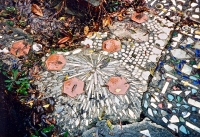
(99, 69)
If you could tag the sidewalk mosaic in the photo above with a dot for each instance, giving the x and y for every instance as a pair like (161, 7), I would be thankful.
(114, 80)
(172, 99)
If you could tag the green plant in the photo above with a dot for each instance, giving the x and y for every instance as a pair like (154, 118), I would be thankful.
(18, 82)
(66, 134)
(11, 9)
(45, 130)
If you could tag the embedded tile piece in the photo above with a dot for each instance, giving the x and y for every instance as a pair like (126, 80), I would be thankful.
(174, 119)
(180, 54)
(73, 87)
(173, 127)
(192, 126)
(117, 85)
(55, 62)
(111, 45)
(20, 48)
(194, 102)
(186, 69)
(145, 132)
(139, 17)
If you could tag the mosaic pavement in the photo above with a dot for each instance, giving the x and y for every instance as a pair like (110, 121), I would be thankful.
(156, 70)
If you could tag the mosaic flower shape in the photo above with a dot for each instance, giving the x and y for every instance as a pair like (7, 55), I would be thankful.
(111, 45)
(55, 62)
(117, 85)
(73, 87)
(139, 17)
(20, 48)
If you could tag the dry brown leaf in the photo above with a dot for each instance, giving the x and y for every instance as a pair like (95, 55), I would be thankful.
(120, 17)
(36, 10)
(63, 40)
(106, 21)
(46, 106)
(86, 30)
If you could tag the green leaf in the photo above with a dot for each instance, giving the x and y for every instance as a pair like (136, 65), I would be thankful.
(15, 73)
(26, 86)
(17, 82)
(4, 72)
(33, 136)
(9, 22)
(9, 87)
(8, 81)
(66, 134)
(48, 129)
(10, 9)
(22, 79)
(36, 133)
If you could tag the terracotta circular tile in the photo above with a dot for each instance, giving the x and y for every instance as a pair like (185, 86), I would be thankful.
(111, 45)
(139, 17)
(117, 85)
(73, 87)
(55, 62)
(20, 48)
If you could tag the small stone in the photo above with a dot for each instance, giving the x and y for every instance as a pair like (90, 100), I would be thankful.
(173, 127)
(37, 47)
(59, 109)
(76, 51)
(164, 120)
(156, 51)
(183, 129)
(179, 99)
(160, 105)
(160, 43)
(179, 54)
(5, 50)
(194, 4)
(194, 91)
(197, 45)
(168, 68)
(185, 114)
(197, 36)
(195, 16)
(192, 126)
(186, 69)
(187, 92)
(150, 112)
(145, 104)
(153, 58)
(162, 36)
(174, 119)
(145, 132)
(170, 97)
(181, 119)
(145, 75)
(194, 108)
(87, 42)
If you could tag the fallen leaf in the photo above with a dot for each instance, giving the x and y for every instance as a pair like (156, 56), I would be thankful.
(63, 40)
(152, 70)
(46, 106)
(86, 30)
(66, 77)
(36, 10)
(30, 103)
(106, 21)
(102, 113)
(120, 17)
(109, 124)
